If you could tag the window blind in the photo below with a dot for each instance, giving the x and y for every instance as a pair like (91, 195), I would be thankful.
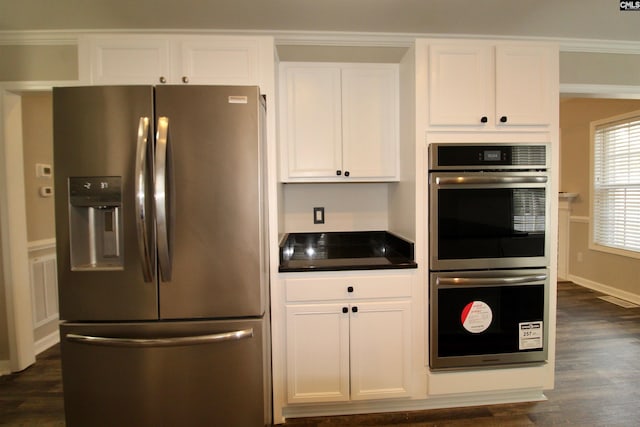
(616, 203)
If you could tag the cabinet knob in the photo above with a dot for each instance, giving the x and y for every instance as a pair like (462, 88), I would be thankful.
(484, 119)
(346, 173)
(350, 289)
(354, 309)
(162, 79)
(503, 119)
(338, 172)
(185, 79)
(345, 310)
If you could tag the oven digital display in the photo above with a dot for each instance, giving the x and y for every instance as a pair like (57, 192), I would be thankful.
(492, 155)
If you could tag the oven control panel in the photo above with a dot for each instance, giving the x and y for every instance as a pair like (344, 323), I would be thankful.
(488, 156)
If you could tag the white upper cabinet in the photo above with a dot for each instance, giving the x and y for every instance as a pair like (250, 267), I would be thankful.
(311, 121)
(485, 85)
(460, 84)
(227, 60)
(160, 59)
(524, 88)
(339, 122)
(370, 122)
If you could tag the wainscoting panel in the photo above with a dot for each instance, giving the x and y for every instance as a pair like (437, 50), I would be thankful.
(44, 293)
(44, 289)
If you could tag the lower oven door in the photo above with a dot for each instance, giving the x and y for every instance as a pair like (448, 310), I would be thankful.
(488, 318)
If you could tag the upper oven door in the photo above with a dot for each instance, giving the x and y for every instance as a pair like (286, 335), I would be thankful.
(488, 220)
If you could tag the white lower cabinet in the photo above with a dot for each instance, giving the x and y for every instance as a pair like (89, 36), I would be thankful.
(355, 345)
(317, 353)
(380, 350)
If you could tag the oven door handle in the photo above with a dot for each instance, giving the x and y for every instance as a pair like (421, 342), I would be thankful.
(492, 179)
(470, 281)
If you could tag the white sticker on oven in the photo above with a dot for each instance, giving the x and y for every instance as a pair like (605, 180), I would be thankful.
(530, 335)
(476, 317)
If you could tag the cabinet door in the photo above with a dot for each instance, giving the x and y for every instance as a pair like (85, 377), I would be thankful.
(370, 122)
(312, 122)
(460, 84)
(317, 353)
(123, 60)
(217, 60)
(523, 85)
(380, 350)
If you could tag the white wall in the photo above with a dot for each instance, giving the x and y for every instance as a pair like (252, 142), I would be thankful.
(347, 206)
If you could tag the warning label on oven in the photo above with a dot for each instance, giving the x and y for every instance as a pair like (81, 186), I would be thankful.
(530, 335)
(476, 317)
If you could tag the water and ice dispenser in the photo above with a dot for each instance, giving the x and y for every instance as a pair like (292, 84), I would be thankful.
(95, 223)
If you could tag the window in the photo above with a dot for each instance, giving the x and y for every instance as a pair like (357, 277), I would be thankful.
(616, 184)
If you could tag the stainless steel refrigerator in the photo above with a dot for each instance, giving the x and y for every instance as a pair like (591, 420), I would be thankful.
(162, 261)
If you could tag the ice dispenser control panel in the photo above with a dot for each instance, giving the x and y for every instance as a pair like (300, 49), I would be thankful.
(95, 223)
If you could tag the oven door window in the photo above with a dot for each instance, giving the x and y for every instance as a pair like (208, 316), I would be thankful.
(489, 320)
(490, 223)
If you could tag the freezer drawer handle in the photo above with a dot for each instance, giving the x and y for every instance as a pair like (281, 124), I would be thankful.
(468, 281)
(141, 199)
(161, 342)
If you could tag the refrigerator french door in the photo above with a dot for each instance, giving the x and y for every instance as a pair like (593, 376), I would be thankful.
(162, 270)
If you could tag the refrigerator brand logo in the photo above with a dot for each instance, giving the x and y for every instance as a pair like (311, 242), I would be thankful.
(629, 5)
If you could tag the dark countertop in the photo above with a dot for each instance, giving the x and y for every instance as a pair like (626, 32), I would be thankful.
(348, 250)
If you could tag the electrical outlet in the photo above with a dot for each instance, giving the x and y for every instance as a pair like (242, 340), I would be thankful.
(318, 215)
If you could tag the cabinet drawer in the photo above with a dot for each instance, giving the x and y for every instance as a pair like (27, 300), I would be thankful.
(355, 287)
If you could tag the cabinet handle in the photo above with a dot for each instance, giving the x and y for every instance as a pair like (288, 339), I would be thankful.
(345, 310)
(338, 172)
(484, 119)
(503, 119)
(346, 173)
(163, 79)
(185, 79)
(354, 309)
(350, 289)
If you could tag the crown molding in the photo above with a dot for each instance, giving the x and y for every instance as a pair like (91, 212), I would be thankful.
(325, 38)
(599, 46)
(570, 90)
(38, 38)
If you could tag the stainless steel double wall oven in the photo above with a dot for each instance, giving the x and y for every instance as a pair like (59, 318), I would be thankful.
(488, 254)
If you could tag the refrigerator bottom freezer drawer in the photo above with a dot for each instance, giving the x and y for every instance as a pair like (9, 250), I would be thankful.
(192, 373)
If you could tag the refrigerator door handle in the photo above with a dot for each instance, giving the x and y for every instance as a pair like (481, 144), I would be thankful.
(141, 192)
(161, 342)
(163, 198)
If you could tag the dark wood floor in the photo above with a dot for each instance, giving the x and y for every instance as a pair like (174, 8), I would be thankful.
(597, 380)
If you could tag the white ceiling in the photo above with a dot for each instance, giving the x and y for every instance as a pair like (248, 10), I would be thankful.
(582, 19)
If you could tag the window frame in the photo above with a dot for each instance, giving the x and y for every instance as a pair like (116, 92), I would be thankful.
(630, 116)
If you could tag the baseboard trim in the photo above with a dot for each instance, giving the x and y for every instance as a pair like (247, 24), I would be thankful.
(605, 289)
(47, 342)
(433, 402)
(4, 367)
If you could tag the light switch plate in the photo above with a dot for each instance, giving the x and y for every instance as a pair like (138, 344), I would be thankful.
(318, 215)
